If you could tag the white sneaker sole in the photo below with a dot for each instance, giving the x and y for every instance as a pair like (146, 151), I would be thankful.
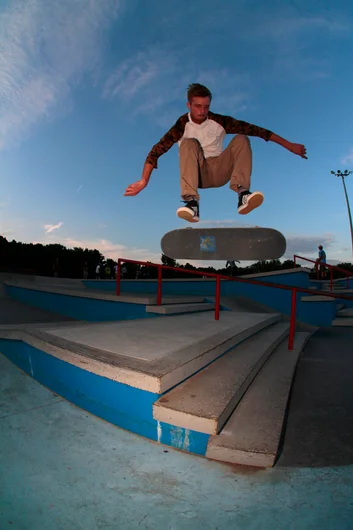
(185, 213)
(254, 201)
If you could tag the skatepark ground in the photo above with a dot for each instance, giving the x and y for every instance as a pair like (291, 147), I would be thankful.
(62, 468)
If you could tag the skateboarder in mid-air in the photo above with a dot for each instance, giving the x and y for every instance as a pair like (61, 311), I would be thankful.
(203, 162)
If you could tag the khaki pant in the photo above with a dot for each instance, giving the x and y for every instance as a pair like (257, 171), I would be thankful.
(233, 165)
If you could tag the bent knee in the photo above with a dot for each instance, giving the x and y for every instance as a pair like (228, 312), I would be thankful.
(190, 143)
(241, 139)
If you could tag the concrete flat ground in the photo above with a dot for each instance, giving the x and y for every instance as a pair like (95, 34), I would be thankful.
(62, 468)
(320, 422)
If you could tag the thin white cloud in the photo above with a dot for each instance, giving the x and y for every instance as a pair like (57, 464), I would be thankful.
(107, 248)
(133, 75)
(224, 223)
(146, 80)
(47, 47)
(291, 34)
(348, 158)
(79, 188)
(306, 246)
(290, 39)
(51, 228)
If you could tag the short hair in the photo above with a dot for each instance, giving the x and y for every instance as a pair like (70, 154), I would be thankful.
(195, 90)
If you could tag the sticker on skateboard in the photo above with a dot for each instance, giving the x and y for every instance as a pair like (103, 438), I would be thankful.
(207, 244)
(243, 244)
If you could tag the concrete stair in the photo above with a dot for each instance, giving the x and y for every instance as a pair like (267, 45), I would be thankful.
(252, 435)
(335, 287)
(204, 402)
(344, 317)
(174, 309)
(240, 399)
(229, 379)
(345, 311)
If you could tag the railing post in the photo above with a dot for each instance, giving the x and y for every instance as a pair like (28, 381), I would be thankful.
(292, 320)
(118, 278)
(295, 260)
(331, 274)
(159, 287)
(218, 297)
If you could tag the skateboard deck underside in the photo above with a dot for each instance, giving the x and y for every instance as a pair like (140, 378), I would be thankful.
(243, 244)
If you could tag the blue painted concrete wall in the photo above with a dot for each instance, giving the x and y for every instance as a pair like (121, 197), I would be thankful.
(346, 303)
(343, 282)
(89, 309)
(319, 314)
(197, 287)
(117, 403)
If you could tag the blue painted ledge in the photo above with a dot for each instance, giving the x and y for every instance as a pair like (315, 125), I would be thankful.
(278, 299)
(343, 283)
(320, 313)
(346, 303)
(79, 308)
(95, 310)
(197, 287)
(122, 405)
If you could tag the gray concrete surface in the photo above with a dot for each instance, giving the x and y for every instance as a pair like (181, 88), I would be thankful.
(65, 469)
(205, 402)
(252, 435)
(13, 312)
(143, 353)
(345, 312)
(343, 321)
(173, 309)
(319, 425)
(82, 292)
(319, 429)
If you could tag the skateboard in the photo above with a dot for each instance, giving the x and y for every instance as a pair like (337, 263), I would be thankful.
(243, 244)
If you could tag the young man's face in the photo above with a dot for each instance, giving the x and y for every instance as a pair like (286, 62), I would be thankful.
(199, 108)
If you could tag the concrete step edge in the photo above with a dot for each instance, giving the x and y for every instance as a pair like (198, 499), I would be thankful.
(343, 321)
(205, 401)
(179, 308)
(252, 434)
(345, 312)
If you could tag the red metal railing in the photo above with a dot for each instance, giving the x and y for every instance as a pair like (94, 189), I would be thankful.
(218, 278)
(330, 267)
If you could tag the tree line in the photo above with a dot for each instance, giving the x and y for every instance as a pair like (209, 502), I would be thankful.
(56, 259)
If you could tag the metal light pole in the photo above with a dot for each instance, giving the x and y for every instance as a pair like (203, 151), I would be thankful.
(342, 175)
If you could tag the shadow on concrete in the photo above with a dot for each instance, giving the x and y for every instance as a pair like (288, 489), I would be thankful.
(319, 427)
(13, 312)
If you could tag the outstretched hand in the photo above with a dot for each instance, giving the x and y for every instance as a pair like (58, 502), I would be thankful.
(298, 149)
(135, 188)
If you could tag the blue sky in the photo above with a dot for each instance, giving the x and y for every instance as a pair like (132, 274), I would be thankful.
(86, 89)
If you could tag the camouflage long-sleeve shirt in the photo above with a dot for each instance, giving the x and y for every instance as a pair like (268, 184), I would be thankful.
(210, 134)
